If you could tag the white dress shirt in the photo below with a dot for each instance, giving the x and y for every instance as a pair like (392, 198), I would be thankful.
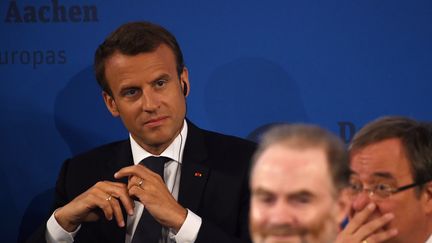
(172, 172)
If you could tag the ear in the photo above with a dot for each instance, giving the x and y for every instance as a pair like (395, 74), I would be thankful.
(110, 104)
(184, 81)
(426, 197)
(343, 204)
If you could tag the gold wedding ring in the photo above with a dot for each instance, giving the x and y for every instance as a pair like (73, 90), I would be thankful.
(364, 241)
(108, 198)
(140, 182)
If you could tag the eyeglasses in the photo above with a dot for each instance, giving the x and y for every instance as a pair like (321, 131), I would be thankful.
(380, 190)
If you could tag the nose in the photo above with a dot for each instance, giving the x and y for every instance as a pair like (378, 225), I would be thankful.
(283, 214)
(149, 101)
(360, 201)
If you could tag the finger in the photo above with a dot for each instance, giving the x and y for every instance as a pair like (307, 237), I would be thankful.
(102, 201)
(120, 191)
(359, 218)
(134, 181)
(372, 226)
(149, 193)
(135, 170)
(383, 236)
(117, 211)
(137, 193)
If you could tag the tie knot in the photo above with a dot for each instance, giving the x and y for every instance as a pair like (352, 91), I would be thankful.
(156, 164)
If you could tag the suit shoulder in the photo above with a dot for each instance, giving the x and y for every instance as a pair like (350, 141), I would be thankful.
(229, 143)
(103, 152)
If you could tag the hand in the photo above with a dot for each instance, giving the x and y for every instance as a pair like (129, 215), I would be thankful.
(358, 230)
(104, 195)
(154, 195)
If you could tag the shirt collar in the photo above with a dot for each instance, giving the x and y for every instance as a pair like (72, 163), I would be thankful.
(174, 151)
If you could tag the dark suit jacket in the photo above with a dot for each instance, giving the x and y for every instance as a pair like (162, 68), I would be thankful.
(220, 196)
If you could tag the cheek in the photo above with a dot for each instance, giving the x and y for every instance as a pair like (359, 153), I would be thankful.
(177, 102)
(324, 226)
(321, 214)
(389, 206)
(257, 221)
(257, 214)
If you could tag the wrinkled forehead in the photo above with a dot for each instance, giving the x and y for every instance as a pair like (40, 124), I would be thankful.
(385, 159)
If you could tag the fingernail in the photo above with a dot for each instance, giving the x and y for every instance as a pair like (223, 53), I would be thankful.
(122, 224)
(389, 216)
(130, 212)
(371, 206)
(394, 232)
(116, 174)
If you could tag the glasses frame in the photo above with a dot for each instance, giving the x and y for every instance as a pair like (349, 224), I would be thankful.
(371, 192)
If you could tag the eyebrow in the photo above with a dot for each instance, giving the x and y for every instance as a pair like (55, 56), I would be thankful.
(301, 193)
(379, 174)
(261, 190)
(384, 175)
(161, 76)
(292, 195)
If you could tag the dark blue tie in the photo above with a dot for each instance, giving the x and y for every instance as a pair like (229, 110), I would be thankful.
(148, 229)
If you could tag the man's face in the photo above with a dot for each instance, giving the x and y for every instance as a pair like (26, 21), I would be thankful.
(147, 95)
(293, 197)
(385, 162)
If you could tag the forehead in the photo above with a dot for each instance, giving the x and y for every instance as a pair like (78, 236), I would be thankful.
(162, 59)
(287, 170)
(386, 157)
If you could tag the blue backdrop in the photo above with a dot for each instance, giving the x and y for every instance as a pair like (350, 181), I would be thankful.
(335, 63)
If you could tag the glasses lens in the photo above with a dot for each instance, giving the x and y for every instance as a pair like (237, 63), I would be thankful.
(355, 188)
(383, 190)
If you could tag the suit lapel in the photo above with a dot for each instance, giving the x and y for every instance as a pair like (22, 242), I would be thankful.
(194, 173)
(121, 157)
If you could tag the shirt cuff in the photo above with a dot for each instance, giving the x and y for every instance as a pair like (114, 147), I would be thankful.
(189, 230)
(55, 233)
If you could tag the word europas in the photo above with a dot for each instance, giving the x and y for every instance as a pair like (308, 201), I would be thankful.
(35, 57)
(54, 13)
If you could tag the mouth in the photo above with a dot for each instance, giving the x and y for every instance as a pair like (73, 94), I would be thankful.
(155, 121)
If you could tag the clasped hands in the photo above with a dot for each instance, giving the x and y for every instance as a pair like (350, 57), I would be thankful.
(143, 185)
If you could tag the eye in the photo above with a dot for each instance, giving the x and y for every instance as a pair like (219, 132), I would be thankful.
(130, 92)
(160, 83)
(383, 188)
(355, 187)
(265, 198)
(303, 199)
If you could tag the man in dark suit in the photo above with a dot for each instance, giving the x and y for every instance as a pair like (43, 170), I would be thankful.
(201, 194)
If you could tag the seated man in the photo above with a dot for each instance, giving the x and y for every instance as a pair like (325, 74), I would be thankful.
(390, 184)
(297, 178)
(170, 181)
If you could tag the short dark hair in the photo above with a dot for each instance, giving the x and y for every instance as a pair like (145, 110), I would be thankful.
(415, 136)
(132, 39)
(304, 136)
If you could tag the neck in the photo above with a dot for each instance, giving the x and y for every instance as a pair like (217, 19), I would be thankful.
(155, 149)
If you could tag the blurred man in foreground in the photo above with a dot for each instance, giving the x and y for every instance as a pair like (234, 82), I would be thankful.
(296, 182)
